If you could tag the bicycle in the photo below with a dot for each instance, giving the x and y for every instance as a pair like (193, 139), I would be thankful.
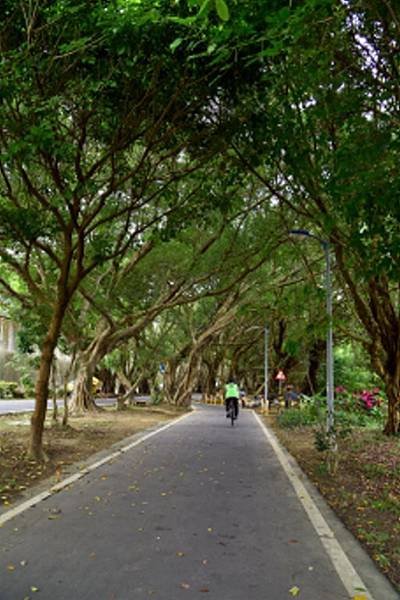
(231, 412)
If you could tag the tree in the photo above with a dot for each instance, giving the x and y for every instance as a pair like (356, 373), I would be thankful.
(94, 125)
(317, 131)
(208, 260)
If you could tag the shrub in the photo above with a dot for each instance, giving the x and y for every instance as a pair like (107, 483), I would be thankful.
(362, 409)
(10, 389)
(351, 367)
(293, 417)
(364, 406)
(27, 385)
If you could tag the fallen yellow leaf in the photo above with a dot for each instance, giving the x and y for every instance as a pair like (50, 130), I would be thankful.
(295, 591)
(360, 597)
(10, 568)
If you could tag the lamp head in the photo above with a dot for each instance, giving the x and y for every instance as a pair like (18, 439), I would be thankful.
(300, 232)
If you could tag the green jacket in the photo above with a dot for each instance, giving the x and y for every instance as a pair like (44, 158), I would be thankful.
(232, 390)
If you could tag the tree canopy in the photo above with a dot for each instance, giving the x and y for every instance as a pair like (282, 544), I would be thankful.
(154, 157)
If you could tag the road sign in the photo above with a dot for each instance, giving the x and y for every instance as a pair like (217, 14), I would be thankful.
(281, 376)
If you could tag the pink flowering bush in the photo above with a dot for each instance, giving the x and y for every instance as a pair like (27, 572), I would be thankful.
(369, 399)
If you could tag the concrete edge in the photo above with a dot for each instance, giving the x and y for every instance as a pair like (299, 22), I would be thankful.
(375, 582)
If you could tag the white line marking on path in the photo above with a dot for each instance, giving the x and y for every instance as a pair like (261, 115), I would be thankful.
(347, 573)
(13, 512)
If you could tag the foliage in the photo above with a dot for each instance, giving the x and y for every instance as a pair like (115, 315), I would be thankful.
(294, 417)
(26, 365)
(349, 412)
(317, 131)
(203, 130)
(361, 407)
(351, 368)
(10, 389)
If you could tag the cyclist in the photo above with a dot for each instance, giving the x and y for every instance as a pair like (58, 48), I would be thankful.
(232, 394)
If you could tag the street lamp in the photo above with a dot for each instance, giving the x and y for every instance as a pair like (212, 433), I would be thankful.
(329, 336)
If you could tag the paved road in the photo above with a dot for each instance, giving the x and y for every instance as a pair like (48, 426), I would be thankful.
(19, 406)
(199, 510)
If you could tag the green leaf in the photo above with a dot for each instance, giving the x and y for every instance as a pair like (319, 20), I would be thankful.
(177, 42)
(203, 8)
(222, 9)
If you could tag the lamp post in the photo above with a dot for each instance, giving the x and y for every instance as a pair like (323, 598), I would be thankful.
(329, 335)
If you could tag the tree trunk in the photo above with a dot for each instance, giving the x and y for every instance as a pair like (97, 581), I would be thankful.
(66, 408)
(170, 382)
(87, 361)
(82, 399)
(210, 369)
(128, 390)
(183, 395)
(392, 426)
(66, 377)
(108, 380)
(35, 449)
(310, 384)
(379, 315)
(54, 390)
(209, 387)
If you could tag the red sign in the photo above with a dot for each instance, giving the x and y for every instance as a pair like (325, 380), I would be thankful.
(281, 376)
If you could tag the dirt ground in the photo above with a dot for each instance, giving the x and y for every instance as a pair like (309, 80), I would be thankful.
(364, 492)
(64, 447)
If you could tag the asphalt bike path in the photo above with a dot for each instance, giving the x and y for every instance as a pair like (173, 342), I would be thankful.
(199, 510)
